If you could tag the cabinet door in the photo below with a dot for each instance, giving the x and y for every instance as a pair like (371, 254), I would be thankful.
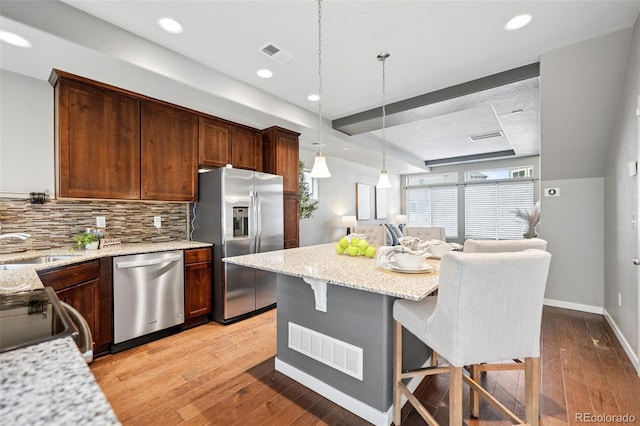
(85, 298)
(246, 149)
(214, 143)
(197, 290)
(287, 159)
(169, 153)
(98, 142)
(291, 221)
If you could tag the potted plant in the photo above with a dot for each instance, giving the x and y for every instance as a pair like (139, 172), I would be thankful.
(531, 218)
(87, 240)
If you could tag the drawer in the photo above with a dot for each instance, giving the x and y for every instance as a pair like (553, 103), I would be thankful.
(67, 276)
(197, 255)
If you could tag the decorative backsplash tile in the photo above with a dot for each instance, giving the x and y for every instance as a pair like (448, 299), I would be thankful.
(54, 223)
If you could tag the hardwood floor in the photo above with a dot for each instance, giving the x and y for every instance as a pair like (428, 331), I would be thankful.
(224, 375)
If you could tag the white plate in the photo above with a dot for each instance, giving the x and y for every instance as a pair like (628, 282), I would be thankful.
(393, 266)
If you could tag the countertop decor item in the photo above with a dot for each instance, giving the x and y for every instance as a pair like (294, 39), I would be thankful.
(531, 218)
(85, 240)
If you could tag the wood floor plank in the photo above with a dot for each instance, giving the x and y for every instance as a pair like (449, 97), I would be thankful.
(225, 375)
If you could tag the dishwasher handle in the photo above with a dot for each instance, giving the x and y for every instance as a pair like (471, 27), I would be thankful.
(138, 263)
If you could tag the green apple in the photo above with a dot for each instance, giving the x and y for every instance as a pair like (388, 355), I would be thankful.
(371, 252)
(339, 249)
(343, 242)
(353, 251)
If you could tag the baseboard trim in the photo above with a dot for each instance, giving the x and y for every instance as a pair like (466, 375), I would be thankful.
(633, 357)
(357, 407)
(574, 306)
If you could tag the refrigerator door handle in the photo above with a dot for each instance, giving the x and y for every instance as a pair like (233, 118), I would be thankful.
(252, 222)
(259, 222)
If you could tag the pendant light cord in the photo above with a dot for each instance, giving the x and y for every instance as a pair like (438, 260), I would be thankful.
(383, 57)
(320, 77)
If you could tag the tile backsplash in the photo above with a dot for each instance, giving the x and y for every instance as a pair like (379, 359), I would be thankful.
(54, 223)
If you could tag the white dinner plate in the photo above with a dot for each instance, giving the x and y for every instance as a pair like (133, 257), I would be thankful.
(393, 266)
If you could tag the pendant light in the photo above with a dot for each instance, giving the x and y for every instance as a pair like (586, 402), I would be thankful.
(383, 180)
(320, 169)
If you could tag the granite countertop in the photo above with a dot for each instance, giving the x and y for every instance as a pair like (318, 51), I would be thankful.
(26, 278)
(51, 384)
(320, 262)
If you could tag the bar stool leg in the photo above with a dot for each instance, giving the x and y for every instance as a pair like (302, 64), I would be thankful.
(532, 391)
(455, 395)
(474, 397)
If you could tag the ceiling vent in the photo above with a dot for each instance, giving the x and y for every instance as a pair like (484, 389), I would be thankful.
(489, 135)
(274, 52)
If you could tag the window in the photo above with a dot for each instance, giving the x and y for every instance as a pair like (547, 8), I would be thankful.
(312, 185)
(434, 206)
(489, 209)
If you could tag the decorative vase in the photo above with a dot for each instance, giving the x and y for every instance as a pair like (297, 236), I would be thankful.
(531, 233)
(92, 246)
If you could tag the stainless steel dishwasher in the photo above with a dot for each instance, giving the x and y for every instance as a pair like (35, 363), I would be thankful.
(148, 297)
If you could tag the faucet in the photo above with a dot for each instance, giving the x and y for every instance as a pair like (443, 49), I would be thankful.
(13, 235)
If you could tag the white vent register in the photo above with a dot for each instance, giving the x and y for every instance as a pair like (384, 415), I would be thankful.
(337, 354)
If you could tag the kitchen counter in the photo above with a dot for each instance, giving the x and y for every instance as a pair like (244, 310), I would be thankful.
(320, 262)
(50, 384)
(26, 278)
(343, 305)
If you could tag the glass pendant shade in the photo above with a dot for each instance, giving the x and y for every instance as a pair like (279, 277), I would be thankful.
(320, 169)
(383, 180)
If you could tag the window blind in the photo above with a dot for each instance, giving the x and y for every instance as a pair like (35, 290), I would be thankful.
(434, 206)
(489, 209)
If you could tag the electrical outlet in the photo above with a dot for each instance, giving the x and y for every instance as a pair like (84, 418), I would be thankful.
(619, 299)
(157, 221)
(101, 222)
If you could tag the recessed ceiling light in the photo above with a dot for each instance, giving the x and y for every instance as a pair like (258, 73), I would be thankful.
(170, 25)
(518, 22)
(264, 73)
(14, 39)
(313, 98)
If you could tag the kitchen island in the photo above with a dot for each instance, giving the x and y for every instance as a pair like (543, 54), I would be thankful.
(335, 324)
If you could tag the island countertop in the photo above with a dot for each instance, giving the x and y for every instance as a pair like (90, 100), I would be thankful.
(320, 262)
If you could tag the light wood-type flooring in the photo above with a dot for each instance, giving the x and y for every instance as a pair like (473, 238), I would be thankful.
(224, 375)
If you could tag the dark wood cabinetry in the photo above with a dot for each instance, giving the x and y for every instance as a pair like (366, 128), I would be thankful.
(116, 144)
(86, 287)
(246, 149)
(197, 286)
(98, 142)
(214, 142)
(281, 157)
(169, 153)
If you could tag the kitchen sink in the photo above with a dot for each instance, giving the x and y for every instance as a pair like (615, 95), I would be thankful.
(35, 261)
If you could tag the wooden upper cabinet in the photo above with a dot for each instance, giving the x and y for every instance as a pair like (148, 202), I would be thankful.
(214, 142)
(97, 142)
(281, 156)
(246, 149)
(169, 153)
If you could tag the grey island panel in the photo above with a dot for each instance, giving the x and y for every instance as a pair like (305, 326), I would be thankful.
(360, 318)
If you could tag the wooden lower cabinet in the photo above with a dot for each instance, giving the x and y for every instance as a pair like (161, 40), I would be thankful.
(86, 289)
(197, 286)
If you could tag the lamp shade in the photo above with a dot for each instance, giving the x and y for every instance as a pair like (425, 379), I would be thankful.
(348, 221)
(401, 219)
(320, 169)
(383, 180)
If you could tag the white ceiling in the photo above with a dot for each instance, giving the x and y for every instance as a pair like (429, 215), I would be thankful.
(433, 45)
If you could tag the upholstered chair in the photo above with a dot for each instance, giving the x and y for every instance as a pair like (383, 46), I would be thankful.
(488, 309)
(425, 233)
(496, 246)
(374, 234)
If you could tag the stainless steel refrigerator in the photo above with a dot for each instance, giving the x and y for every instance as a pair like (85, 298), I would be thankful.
(239, 212)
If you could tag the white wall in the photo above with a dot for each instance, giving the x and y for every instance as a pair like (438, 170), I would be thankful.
(621, 200)
(588, 136)
(337, 196)
(26, 135)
